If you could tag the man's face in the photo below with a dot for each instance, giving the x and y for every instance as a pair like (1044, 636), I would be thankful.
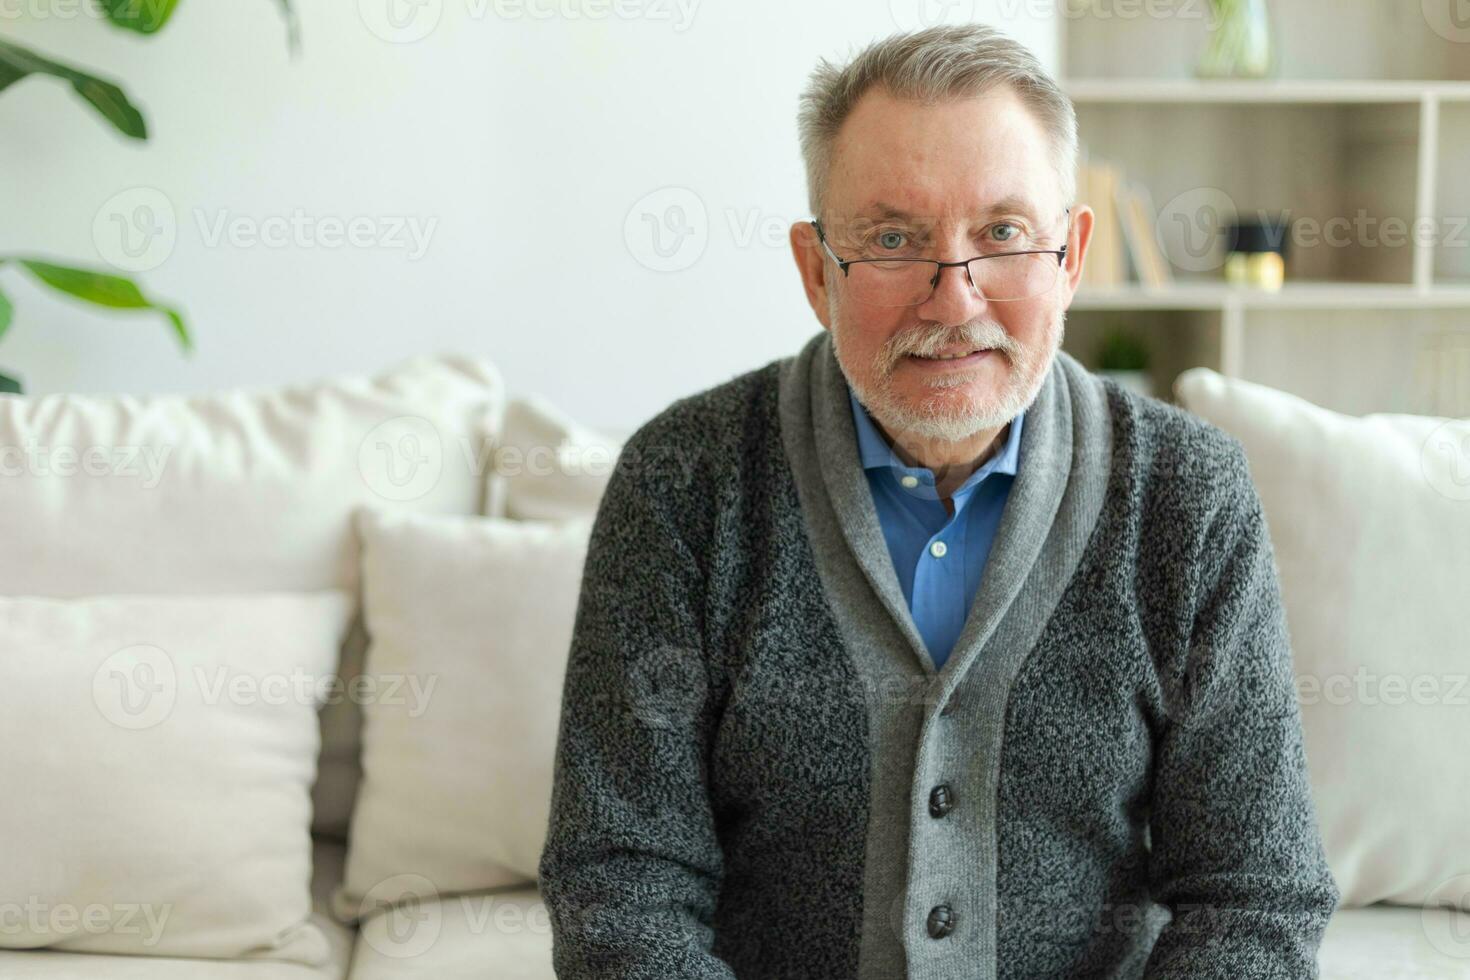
(950, 181)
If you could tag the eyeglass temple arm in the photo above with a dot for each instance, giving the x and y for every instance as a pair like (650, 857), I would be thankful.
(822, 237)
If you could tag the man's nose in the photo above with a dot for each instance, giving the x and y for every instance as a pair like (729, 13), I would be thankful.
(954, 301)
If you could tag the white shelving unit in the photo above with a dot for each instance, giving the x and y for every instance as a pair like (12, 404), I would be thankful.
(1375, 315)
(1266, 90)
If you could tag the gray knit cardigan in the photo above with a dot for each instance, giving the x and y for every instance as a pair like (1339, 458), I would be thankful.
(753, 737)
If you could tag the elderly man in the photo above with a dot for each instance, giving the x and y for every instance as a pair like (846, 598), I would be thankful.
(950, 659)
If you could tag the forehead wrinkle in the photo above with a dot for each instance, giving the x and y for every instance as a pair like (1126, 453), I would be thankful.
(1010, 204)
(954, 161)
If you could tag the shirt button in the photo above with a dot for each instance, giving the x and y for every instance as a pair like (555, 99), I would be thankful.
(910, 481)
(941, 921)
(938, 549)
(941, 801)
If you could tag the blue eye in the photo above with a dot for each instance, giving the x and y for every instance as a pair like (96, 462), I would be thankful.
(1002, 226)
(891, 239)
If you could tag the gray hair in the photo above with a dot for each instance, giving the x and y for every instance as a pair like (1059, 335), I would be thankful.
(948, 61)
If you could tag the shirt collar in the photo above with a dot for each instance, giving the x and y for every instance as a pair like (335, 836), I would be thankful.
(874, 451)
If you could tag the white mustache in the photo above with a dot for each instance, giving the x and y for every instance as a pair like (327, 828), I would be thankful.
(978, 337)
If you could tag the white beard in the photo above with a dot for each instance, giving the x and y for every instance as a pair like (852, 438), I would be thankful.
(942, 419)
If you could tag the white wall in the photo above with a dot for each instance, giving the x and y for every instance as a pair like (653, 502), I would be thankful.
(522, 135)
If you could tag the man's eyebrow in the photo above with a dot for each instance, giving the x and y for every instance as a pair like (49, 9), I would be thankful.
(1006, 205)
(881, 210)
(1011, 205)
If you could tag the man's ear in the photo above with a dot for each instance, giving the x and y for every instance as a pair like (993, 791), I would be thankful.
(811, 263)
(1077, 240)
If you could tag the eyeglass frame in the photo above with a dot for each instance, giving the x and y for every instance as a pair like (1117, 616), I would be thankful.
(844, 264)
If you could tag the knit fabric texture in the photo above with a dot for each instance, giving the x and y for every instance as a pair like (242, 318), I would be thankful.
(753, 738)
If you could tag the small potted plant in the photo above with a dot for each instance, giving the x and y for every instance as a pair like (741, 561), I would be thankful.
(1123, 356)
(1240, 44)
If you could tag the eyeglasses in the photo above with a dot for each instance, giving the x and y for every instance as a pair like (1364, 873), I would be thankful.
(1000, 277)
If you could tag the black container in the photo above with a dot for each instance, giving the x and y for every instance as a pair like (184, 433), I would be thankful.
(1257, 235)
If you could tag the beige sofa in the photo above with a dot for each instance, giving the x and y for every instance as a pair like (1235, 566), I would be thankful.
(258, 496)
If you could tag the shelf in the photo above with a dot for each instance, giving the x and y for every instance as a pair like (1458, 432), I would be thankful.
(1292, 296)
(1255, 91)
(1364, 120)
(1399, 41)
(1449, 192)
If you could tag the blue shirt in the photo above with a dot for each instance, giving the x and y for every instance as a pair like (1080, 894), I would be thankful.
(939, 558)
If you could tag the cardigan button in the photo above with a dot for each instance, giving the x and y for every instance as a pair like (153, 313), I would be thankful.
(948, 708)
(941, 800)
(941, 921)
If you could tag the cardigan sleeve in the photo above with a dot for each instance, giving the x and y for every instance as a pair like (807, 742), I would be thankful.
(631, 868)
(1236, 853)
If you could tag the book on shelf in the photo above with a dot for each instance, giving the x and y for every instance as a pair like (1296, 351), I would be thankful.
(1097, 185)
(1124, 244)
(1136, 210)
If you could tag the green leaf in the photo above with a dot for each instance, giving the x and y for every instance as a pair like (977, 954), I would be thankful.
(143, 16)
(17, 62)
(293, 26)
(149, 16)
(104, 289)
(9, 385)
(6, 311)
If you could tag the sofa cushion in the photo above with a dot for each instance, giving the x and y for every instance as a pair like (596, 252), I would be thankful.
(240, 490)
(546, 466)
(1370, 522)
(470, 620)
(159, 760)
(504, 934)
(1387, 942)
(328, 856)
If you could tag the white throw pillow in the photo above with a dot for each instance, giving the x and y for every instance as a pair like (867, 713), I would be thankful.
(470, 621)
(243, 490)
(158, 761)
(1370, 522)
(547, 467)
